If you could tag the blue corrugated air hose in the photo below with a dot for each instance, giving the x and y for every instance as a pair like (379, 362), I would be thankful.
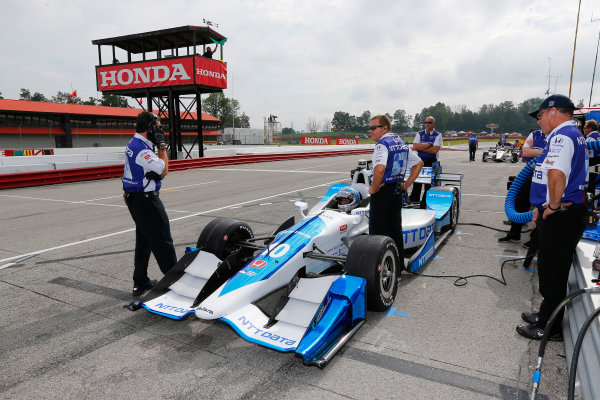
(511, 196)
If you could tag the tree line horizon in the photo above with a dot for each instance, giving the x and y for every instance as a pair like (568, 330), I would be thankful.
(508, 116)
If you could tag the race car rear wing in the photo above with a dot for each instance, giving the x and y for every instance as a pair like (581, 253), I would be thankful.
(435, 177)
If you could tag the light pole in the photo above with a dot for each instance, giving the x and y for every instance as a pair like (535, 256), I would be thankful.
(574, 46)
(595, 61)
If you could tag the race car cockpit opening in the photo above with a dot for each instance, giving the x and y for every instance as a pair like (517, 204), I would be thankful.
(347, 199)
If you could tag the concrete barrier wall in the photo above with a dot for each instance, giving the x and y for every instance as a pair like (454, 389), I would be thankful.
(101, 156)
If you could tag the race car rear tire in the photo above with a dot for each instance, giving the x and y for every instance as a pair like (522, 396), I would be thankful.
(221, 236)
(514, 158)
(375, 258)
(483, 157)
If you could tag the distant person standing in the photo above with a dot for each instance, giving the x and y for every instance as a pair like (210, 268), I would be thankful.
(208, 53)
(502, 141)
(427, 144)
(473, 145)
(590, 129)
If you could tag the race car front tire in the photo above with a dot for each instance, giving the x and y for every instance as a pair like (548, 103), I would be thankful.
(375, 258)
(483, 157)
(222, 235)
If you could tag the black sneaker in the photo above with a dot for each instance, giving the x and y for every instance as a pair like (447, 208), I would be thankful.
(527, 244)
(139, 290)
(509, 238)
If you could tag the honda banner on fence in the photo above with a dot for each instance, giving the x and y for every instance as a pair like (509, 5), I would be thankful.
(326, 140)
(315, 140)
(346, 141)
(193, 70)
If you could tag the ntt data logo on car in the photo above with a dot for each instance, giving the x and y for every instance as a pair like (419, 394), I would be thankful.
(262, 334)
(315, 140)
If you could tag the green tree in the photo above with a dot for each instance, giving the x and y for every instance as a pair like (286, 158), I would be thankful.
(287, 131)
(242, 121)
(26, 95)
(363, 121)
(92, 101)
(1, 97)
(225, 109)
(65, 97)
(400, 121)
(341, 121)
(112, 100)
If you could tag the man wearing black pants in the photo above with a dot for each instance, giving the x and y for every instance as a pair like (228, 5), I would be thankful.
(142, 176)
(391, 159)
(557, 193)
(427, 144)
(473, 144)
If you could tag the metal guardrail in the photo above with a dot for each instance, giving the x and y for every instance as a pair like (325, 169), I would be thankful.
(588, 369)
(38, 178)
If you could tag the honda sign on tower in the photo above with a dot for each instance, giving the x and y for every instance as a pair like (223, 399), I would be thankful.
(194, 70)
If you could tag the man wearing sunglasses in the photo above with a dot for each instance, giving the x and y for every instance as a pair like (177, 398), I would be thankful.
(557, 193)
(391, 158)
(427, 144)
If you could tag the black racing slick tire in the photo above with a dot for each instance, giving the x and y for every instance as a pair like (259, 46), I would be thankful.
(483, 157)
(222, 235)
(514, 158)
(375, 258)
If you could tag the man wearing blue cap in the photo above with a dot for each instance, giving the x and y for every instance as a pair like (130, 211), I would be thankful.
(557, 193)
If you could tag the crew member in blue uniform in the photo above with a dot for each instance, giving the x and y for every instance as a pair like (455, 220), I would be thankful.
(391, 158)
(533, 146)
(590, 129)
(557, 193)
(427, 144)
(473, 145)
(502, 141)
(142, 176)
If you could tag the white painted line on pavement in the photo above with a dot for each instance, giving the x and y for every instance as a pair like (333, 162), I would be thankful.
(195, 214)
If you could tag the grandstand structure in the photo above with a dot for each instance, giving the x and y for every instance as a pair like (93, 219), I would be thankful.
(35, 124)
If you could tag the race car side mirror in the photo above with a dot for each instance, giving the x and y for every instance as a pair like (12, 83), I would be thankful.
(301, 206)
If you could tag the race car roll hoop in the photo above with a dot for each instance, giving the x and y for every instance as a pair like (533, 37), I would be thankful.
(306, 287)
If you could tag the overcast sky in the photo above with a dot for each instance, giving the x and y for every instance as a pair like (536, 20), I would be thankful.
(307, 59)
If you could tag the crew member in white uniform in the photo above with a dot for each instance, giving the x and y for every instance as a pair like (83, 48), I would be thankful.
(558, 193)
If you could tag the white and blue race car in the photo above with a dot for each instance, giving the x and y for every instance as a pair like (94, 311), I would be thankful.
(306, 288)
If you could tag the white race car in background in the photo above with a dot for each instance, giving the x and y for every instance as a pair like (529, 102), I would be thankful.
(501, 153)
(305, 288)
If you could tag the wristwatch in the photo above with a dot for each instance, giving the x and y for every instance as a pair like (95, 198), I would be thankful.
(162, 146)
(430, 144)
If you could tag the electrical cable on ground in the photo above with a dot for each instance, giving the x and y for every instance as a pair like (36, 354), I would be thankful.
(490, 227)
(463, 280)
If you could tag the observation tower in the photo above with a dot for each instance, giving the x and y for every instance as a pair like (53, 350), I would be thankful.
(167, 69)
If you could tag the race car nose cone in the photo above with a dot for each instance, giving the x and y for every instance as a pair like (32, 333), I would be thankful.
(205, 313)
